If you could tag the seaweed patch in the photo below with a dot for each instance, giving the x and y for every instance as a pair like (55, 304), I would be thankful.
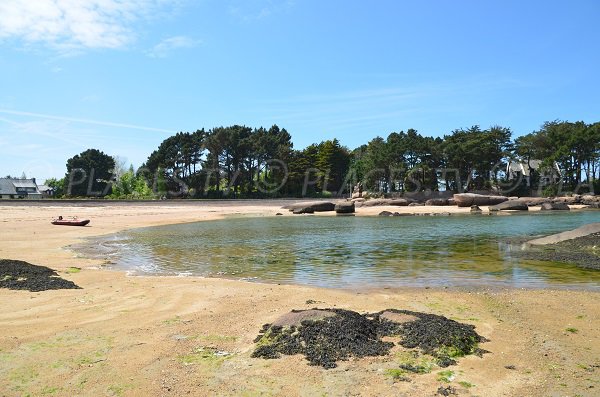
(20, 275)
(326, 336)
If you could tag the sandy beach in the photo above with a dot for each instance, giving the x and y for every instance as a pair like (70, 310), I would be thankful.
(145, 336)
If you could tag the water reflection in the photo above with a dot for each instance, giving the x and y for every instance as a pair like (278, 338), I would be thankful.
(352, 251)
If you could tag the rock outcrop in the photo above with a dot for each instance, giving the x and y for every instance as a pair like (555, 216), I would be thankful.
(589, 199)
(304, 210)
(475, 209)
(570, 200)
(554, 207)
(437, 201)
(469, 199)
(582, 231)
(344, 207)
(533, 201)
(379, 202)
(512, 205)
(311, 206)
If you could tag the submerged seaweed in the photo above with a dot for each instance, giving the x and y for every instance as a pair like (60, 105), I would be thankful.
(348, 334)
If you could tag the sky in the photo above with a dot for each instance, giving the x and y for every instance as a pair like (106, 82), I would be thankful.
(122, 75)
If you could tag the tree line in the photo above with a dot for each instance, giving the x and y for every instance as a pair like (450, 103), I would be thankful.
(244, 162)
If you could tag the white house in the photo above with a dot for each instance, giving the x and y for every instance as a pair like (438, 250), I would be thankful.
(46, 191)
(16, 188)
(521, 169)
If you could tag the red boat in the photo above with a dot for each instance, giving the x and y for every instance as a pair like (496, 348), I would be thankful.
(70, 222)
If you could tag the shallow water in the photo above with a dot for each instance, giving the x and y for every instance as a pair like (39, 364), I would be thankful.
(349, 252)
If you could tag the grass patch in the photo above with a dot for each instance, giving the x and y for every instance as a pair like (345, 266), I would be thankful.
(462, 308)
(73, 269)
(446, 376)
(81, 383)
(418, 368)
(572, 330)
(87, 360)
(204, 355)
(50, 390)
(118, 390)
(24, 375)
(172, 321)
(397, 374)
(465, 384)
(218, 338)
(415, 364)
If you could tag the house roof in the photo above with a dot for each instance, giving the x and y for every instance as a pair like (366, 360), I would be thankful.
(521, 166)
(43, 188)
(10, 185)
(6, 186)
(24, 183)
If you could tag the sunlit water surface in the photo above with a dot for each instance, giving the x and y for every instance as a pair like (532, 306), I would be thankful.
(353, 252)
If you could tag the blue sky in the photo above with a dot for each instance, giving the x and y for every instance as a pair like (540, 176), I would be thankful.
(121, 76)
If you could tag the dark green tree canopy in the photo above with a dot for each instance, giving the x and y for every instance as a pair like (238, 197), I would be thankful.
(240, 161)
(89, 174)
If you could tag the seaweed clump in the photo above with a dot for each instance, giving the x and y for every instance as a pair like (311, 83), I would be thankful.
(440, 337)
(325, 336)
(20, 275)
(326, 340)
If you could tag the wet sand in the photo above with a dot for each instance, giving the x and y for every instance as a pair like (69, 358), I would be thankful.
(143, 336)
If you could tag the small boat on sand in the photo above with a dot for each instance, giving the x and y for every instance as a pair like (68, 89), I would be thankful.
(70, 222)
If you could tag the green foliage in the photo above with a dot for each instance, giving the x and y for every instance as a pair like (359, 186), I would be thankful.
(405, 161)
(230, 161)
(550, 191)
(89, 174)
(204, 355)
(131, 186)
(397, 374)
(573, 147)
(476, 155)
(465, 384)
(58, 185)
(446, 376)
(239, 161)
(320, 170)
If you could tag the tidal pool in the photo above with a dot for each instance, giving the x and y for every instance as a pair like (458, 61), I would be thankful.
(353, 252)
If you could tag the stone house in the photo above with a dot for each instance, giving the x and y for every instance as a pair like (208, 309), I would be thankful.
(16, 188)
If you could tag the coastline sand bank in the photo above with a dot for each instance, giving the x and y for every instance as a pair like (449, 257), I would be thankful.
(122, 335)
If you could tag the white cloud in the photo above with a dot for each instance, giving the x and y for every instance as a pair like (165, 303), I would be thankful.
(40, 145)
(162, 49)
(79, 120)
(383, 109)
(254, 10)
(71, 25)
